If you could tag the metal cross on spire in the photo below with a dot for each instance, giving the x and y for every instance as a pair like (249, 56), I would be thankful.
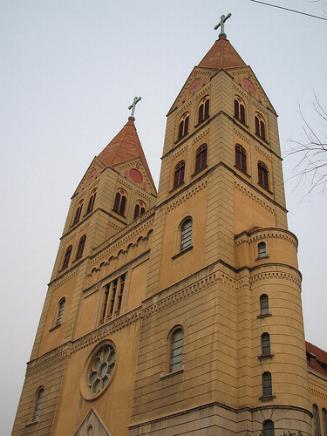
(133, 105)
(221, 24)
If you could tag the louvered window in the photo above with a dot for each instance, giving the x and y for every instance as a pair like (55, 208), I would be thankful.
(186, 234)
(176, 350)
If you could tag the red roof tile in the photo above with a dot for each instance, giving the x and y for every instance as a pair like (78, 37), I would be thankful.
(222, 55)
(317, 358)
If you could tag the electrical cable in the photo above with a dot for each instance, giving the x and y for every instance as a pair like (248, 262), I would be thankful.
(289, 10)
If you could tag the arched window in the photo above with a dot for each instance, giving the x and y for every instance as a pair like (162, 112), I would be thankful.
(176, 349)
(201, 158)
(91, 201)
(262, 249)
(80, 248)
(265, 345)
(316, 420)
(264, 305)
(268, 428)
(186, 234)
(78, 212)
(120, 202)
(179, 174)
(324, 421)
(263, 177)
(37, 405)
(139, 209)
(66, 260)
(60, 311)
(266, 384)
(239, 110)
(260, 129)
(183, 126)
(203, 109)
(240, 157)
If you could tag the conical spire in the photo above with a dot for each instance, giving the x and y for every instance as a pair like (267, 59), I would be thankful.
(222, 55)
(124, 147)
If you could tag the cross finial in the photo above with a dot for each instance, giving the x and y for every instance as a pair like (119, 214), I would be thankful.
(221, 24)
(133, 105)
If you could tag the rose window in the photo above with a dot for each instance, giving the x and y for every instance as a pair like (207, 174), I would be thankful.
(101, 367)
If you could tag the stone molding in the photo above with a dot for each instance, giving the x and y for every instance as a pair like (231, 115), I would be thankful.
(317, 394)
(238, 133)
(179, 151)
(253, 196)
(186, 195)
(272, 233)
(56, 283)
(256, 277)
(200, 136)
(267, 156)
(60, 353)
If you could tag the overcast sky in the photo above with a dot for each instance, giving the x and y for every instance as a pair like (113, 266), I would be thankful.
(69, 70)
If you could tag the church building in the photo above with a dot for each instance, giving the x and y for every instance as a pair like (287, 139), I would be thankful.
(178, 311)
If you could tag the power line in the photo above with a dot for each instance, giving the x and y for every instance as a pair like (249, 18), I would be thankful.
(290, 10)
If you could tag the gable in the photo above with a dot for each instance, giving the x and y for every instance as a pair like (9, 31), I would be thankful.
(90, 176)
(135, 171)
(92, 425)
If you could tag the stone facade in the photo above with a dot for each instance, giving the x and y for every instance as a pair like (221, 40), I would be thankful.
(104, 361)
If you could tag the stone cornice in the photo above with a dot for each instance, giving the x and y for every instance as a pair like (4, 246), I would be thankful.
(269, 232)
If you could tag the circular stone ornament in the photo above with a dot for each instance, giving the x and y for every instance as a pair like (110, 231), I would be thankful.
(99, 370)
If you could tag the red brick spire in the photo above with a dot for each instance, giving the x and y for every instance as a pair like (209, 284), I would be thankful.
(222, 55)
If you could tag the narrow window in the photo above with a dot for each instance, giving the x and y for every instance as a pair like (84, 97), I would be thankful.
(139, 209)
(263, 178)
(113, 296)
(265, 344)
(60, 311)
(203, 110)
(264, 305)
(120, 202)
(186, 234)
(262, 249)
(179, 174)
(121, 292)
(67, 257)
(105, 304)
(324, 421)
(240, 158)
(90, 206)
(316, 420)
(78, 212)
(201, 158)
(268, 428)
(260, 129)
(183, 126)
(80, 247)
(239, 110)
(176, 350)
(266, 384)
(37, 406)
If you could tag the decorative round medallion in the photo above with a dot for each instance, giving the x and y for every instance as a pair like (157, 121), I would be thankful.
(136, 175)
(99, 370)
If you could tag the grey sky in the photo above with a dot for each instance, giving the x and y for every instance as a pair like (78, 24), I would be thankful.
(69, 70)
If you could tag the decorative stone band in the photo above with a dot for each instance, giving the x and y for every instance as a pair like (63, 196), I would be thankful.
(276, 273)
(186, 195)
(268, 233)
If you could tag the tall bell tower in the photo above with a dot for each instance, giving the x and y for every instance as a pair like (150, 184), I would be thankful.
(178, 313)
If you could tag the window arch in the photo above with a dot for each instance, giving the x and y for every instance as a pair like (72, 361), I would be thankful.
(266, 384)
(90, 205)
(201, 158)
(80, 247)
(186, 234)
(78, 212)
(176, 349)
(324, 421)
(179, 174)
(139, 209)
(268, 428)
(67, 255)
(263, 175)
(203, 112)
(60, 311)
(260, 129)
(240, 157)
(120, 202)
(316, 420)
(265, 345)
(264, 305)
(38, 402)
(239, 109)
(262, 249)
(183, 125)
